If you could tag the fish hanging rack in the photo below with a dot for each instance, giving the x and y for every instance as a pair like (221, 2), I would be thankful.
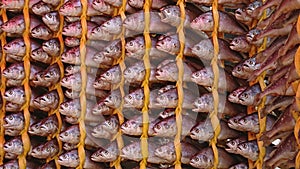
(144, 137)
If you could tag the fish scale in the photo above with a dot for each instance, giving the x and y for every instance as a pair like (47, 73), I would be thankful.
(82, 10)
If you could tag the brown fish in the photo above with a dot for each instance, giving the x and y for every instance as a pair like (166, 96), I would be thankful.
(48, 101)
(240, 44)
(48, 150)
(232, 144)
(72, 108)
(112, 75)
(112, 50)
(248, 149)
(113, 25)
(280, 103)
(234, 95)
(71, 159)
(16, 71)
(15, 95)
(205, 159)
(74, 29)
(156, 4)
(242, 16)
(116, 3)
(204, 22)
(103, 7)
(17, 47)
(102, 109)
(134, 126)
(44, 127)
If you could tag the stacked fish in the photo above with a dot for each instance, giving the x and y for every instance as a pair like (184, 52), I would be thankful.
(99, 77)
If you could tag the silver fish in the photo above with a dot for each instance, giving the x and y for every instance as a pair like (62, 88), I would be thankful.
(113, 25)
(41, 32)
(17, 47)
(48, 77)
(136, 73)
(103, 7)
(48, 150)
(70, 135)
(135, 99)
(41, 8)
(134, 126)
(14, 121)
(44, 127)
(108, 154)
(15, 95)
(72, 108)
(40, 55)
(232, 144)
(74, 29)
(16, 25)
(102, 109)
(71, 159)
(51, 19)
(14, 146)
(16, 71)
(107, 129)
(249, 150)
(116, 3)
(239, 166)
(48, 101)
(52, 47)
(112, 75)
(72, 42)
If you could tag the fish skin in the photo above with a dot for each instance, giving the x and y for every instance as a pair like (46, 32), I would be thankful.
(204, 22)
(48, 101)
(108, 154)
(250, 95)
(52, 2)
(12, 132)
(70, 135)
(232, 144)
(136, 73)
(280, 103)
(205, 159)
(51, 47)
(131, 23)
(71, 8)
(204, 131)
(171, 14)
(248, 149)
(13, 5)
(225, 108)
(167, 127)
(16, 25)
(134, 126)
(234, 95)
(40, 55)
(167, 113)
(115, 3)
(285, 122)
(10, 164)
(169, 99)
(99, 34)
(292, 40)
(102, 109)
(17, 47)
(114, 99)
(205, 76)
(204, 50)
(51, 19)
(286, 150)
(15, 95)
(41, 32)
(240, 44)
(90, 118)
(14, 121)
(171, 44)
(48, 77)
(107, 129)
(239, 166)
(72, 42)
(156, 4)
(112, 50)
(74, 82)
(168, 153)
(133, 152)
(12, 107)
(135, 48)
(14, 146)
(223, 2)
(242, 16)
(41, 8)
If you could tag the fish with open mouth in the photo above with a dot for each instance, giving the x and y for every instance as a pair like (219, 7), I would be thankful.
(108, 154)
(70, 135)
(51, 19)
(16, 25)
(48, 77)
(14, 146)
(107, 129)
(48, 101)
(44, 127)
(47, 150)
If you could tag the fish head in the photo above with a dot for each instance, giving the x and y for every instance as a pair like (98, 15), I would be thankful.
(71, 8)
(131, 127)
(49, 125)
(71, 56)
(134, 99)
(69, 159)
(248, 148)
(232, 145)
(111, 124)
(134, 73)
(240, 14)
(14, 46)
(37, 151)
(40, 8)
(113, 50)
(203, 22)
(13, 121)
(100, 108)
(71, 69)
(12, 164)
(136, 3)
(39, 54)
(164, 127)
(233, 122)
(201, 161)
(98, 32)
(203, 103)
(14, 25)
(69, 146)
(70, 134)
(35, 129)
(164, 73)
(239, 42)
(251, 35)
(47, 99)
(11, 107)
(112, 75)
(132, 151)
(40, 30)
(72, 81)
(135, 44)
(50, 18)
(112, 24)
(52, 75)
(251, 64)
(234, 95)
(113, 100)
(69, 106)
(169, 12)
(72, 41)
(100, 132)
(204, 77)
(247, 97)
(166, 151)
(240, 72)
(248, 122)
(132, 21)
(252, 6)
(51, 46)
(72, 29)
(50, 148)
(14, 94)
(8, 4)
(13, 145)
(203, 131)
(168, 44)
(15, 71)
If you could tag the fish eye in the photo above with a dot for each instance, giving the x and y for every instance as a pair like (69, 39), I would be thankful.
(246, 95)
(197, 74)
(10, 92)
(50, 16)
(130, 97)
(239, 68)
(130, 43)
(167, 126)
(66, 134)
(108, 122)
(235, 120)
(197, 159)
(9, 144)
(10, 118)
(107, 74)
(245, 146)
(125, 125)
(233, 143)
(158, 126)
(197, 130)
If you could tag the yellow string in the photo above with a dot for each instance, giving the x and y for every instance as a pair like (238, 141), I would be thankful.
(179, 63)
(25, 137)
(3, 87)
(81, 151)
(144, 136)
(214, 63)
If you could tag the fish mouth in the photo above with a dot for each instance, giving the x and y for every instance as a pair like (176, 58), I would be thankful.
(162, 15)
